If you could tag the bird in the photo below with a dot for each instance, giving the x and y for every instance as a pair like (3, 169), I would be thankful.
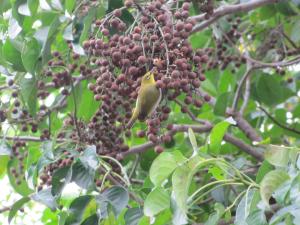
(148, 99)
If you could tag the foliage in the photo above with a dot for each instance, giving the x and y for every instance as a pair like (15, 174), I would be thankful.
(221, 147)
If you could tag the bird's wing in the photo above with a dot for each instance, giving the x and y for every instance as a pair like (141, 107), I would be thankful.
(149, 99)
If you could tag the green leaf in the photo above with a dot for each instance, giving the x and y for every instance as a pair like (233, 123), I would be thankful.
(87, 24)
(12, 55)
(69, 5)
(216, 136)
(33, 6)
(295, 31)
(77, 208)
(221, 104)
(193, 140)
(115, 196)
(156, 201)
(278, 155)
(3, 164)
(60, 178)
(216, 216)
(269, 90)
(45, 197)
(91, 220)
(271, 182)
(164, 165)
(29, 93)
(5, 149)
(16, 206)
(21, 188)
(133, 216)
(88, 107)
(263, 170)
(181, 181)
(30, 55)
(83, 176)
(243, 208)
(257, 217)
(90, 157)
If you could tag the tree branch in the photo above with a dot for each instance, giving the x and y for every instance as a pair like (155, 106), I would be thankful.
(228, 9)
(199, 129)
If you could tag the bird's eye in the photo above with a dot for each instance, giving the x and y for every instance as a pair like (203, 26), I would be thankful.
(148, 77)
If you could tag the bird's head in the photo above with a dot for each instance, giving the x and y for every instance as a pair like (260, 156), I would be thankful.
(148, 78)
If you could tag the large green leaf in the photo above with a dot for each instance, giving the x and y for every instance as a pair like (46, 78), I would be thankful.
(29, 93)
(77, 208)
(30, 55)
(45, 197)
(278, 155)
(216, 216)
(133, 216)
(164, 165)
(16, 207)
(60, 178)
(12, 55)
(116, 197)
(18, 183)
(271, 182)
(216, 136)
(221, 104)
(268, 89)
(157, 200)
(257, 217)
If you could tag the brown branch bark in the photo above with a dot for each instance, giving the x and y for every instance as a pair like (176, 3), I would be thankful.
(226, 10)
(199, 129)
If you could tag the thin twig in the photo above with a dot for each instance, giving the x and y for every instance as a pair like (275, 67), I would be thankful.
(279, 123)
(226, 10)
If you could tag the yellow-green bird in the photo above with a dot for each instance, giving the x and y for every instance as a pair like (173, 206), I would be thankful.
(149, 97)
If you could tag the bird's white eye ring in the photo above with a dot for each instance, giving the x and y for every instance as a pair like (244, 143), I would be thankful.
(148, 77)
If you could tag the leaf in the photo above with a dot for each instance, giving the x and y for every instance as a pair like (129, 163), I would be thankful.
(83, 176)
(216, 216)
(16, 207)
(181, 182)
(263, 170)
(45, 197)
(295, 31)
(30, 55)
(221, 104)
(3, 164)
(5, 149)
(156, 201)
(268, 89)
(13, 28)
(90, 158)
(69, 5)
(271, 182)
(33, 6)
(216, 136)
(29, 93)
(164, 165)
(243, 208)
(21, 188)
(257, 217)
(133, 216)
(193, 140)
(91, 220)
(12, 55)
(87, 21)
(60, 178)
(117, 197)
(77, 208)
(278, 155)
